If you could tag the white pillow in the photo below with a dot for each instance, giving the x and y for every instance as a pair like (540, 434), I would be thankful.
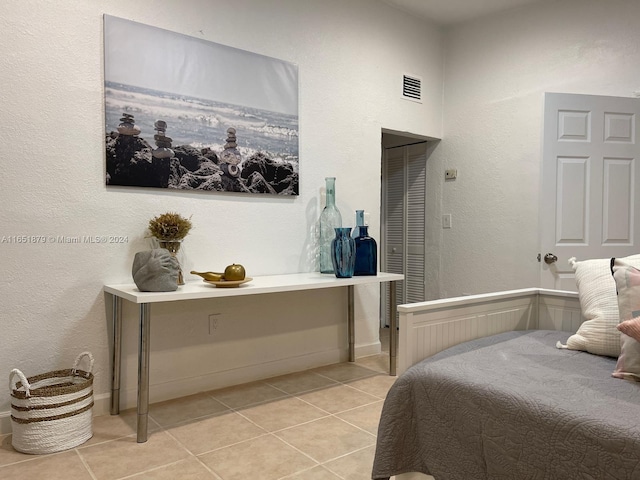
(599, 305)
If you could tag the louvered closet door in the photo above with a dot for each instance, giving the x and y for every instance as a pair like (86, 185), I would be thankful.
(403, 247)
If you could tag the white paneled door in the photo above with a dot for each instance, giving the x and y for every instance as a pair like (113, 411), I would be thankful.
(590, 182)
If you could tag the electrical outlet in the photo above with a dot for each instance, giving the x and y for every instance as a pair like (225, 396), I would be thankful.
(450, 174)
(214, 320)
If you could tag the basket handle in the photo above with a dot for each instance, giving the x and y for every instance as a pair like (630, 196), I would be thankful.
(77, 362)
(25, 383)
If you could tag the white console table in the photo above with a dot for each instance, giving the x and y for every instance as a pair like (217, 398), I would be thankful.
(199, 290)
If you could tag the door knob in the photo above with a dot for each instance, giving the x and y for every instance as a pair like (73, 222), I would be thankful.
(550, 258)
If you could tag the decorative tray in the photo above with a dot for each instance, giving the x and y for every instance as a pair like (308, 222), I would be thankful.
(228, 283)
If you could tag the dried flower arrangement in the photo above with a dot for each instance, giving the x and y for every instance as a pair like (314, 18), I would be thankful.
(170, 226)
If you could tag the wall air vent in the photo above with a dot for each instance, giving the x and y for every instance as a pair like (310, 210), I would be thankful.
(412, 88)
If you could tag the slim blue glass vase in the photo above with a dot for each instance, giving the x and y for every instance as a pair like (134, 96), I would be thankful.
(366, 253)
(343, 253)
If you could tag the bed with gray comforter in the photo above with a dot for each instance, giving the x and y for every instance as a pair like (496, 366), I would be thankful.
(511, 406)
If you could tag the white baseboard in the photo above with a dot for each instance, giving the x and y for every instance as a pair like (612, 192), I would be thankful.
(368, 350)
(235, 376)
(216, 380)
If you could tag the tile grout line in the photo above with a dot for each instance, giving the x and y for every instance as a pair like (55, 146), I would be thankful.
(296, 396)
(324, 465)
(31, 457)
(86, 465)
(329, 414)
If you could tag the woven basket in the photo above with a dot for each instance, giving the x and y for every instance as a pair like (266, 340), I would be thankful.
(53, 411)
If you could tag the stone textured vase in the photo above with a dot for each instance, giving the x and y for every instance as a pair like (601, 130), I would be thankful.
(173, 246)
(330, 219)
(343, 253)
(155, 271)
(366, 253)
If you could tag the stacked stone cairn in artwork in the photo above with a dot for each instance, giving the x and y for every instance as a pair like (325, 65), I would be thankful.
(162, 141)
(132, 161)
(127, 125)
(231, 157)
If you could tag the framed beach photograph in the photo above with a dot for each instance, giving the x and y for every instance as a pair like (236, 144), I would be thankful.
(185, 113)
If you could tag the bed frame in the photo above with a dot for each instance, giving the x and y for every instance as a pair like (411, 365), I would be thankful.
(427, 328)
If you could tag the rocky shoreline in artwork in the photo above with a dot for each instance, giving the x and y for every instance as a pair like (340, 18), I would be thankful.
(132, 161)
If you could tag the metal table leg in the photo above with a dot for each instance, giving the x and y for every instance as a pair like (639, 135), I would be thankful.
(116, 363)
(351, 323)
(143, 372)
(393, 328)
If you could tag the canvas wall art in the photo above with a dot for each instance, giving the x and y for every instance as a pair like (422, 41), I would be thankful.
(186, 113)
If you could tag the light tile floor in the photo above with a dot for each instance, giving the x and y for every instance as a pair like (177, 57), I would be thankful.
(320, 424)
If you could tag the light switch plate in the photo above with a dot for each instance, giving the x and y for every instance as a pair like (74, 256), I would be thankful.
(450, 174)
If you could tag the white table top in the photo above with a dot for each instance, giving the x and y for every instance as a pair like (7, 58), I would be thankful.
(264, 284)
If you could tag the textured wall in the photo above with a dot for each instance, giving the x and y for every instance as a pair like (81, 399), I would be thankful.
(496, 73)
(351, 55)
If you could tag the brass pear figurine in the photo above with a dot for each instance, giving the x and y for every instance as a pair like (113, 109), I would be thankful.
(209, 276)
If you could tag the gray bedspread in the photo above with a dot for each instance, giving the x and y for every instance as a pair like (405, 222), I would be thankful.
(511, 406)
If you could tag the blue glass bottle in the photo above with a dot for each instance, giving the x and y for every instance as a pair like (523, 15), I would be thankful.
(366, 253)
(359, 223)
(343, 253)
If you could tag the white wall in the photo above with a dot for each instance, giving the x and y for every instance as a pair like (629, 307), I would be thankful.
(496, 73)
(351, 56)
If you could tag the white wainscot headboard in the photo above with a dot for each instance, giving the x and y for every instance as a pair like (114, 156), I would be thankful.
(426, 328)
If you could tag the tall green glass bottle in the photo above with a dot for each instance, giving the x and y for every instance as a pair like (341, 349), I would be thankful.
(330, 219)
